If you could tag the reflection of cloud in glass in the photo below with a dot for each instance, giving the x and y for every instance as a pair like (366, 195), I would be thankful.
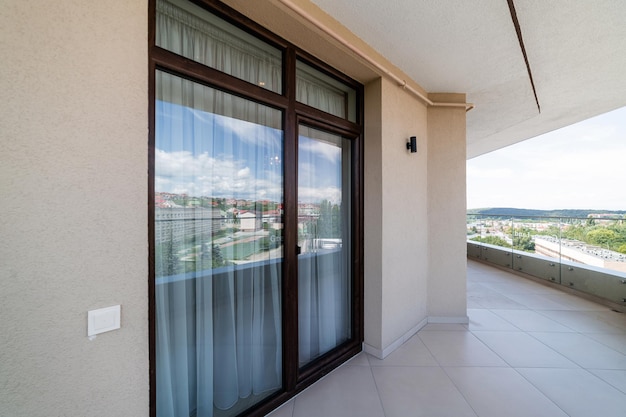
(328, 151)
(182, 172)
(200, 153)
(319, 170)
(317, 194)
(248, 132)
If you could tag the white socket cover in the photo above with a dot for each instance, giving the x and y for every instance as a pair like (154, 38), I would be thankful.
(103, 320)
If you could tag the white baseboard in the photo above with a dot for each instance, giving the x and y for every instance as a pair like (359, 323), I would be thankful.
(448, 320)
(383, 353)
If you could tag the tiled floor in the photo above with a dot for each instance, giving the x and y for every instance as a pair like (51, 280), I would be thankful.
(528, 351)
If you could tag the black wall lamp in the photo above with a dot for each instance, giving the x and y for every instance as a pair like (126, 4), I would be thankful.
(412, 144)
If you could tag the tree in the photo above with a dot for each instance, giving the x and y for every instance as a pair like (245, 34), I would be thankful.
(167, 259)
(217, 259)
(601, 237)
(329, 222)
(493, 240)
(524, 243)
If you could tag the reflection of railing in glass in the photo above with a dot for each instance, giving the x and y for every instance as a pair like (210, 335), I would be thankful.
(318, 232)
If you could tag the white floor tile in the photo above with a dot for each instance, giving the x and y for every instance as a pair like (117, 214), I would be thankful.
(583, 350)
(285, 410)
(537, 301)
(499, 392)
(614, 378)
(495, 301)
(459, 349)
(419, 392)
(614, 341)
(576, 303)
(578, 392)
(517, 287)
(519, 356)
(519, 349)
(583, 321)
(531, 321)
(486, 320)
(359, 360)
(611, 317)
(346, 392)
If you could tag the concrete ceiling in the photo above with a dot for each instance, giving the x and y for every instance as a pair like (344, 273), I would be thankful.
(576, 51)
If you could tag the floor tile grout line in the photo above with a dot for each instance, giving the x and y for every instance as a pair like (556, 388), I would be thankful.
(380, 399)
(469, 404)
(541, 391)
(521, 375)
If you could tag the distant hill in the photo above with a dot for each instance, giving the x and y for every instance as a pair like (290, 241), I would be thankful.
(517, 212)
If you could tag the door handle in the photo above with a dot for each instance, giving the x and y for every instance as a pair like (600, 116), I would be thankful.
(298, 250)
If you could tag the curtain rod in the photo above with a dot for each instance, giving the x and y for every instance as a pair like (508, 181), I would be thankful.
(401, 82)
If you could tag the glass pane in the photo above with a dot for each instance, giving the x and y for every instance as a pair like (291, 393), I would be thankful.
(318, 90)
(218, 252)
(324, 273)
(190, 31)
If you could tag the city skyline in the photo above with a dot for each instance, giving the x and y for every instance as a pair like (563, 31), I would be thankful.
(581, 166)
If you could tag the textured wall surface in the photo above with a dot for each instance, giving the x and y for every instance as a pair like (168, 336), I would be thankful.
(405, 217)
(73, 181)
(447, 278)
(396, 222)
(373, 213)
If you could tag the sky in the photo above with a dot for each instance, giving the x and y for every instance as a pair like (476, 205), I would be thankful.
(582, 166)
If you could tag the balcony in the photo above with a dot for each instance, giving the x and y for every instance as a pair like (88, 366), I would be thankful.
(584, 255)
(528, 350)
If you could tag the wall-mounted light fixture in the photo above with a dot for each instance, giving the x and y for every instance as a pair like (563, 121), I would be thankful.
(412, 144)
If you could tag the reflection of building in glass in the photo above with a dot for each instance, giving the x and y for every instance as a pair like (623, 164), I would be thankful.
(249, 221)
(178, 223)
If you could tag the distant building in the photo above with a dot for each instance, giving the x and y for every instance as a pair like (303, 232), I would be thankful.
(583, 253)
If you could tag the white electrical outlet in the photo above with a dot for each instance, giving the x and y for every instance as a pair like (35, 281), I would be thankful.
(103, 320)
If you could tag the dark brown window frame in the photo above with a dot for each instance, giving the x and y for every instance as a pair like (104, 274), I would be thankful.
(294, 379)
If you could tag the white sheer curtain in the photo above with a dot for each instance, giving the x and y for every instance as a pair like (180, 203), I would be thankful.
(316, 90)
(324, 275)
(192, 32)
(218, 337)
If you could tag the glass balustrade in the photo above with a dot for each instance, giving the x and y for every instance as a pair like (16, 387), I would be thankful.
(587, 254)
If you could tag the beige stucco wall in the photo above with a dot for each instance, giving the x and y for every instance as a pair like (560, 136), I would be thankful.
(373, 212)
(73, 180)
(396, 218)
(447, 282)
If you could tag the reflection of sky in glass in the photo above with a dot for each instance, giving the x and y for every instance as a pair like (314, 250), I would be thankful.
(319, 171)
(204, 154)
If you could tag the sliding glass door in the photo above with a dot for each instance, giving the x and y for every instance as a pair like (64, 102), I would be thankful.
(218, 254)
(324, 239)
(256, 208)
